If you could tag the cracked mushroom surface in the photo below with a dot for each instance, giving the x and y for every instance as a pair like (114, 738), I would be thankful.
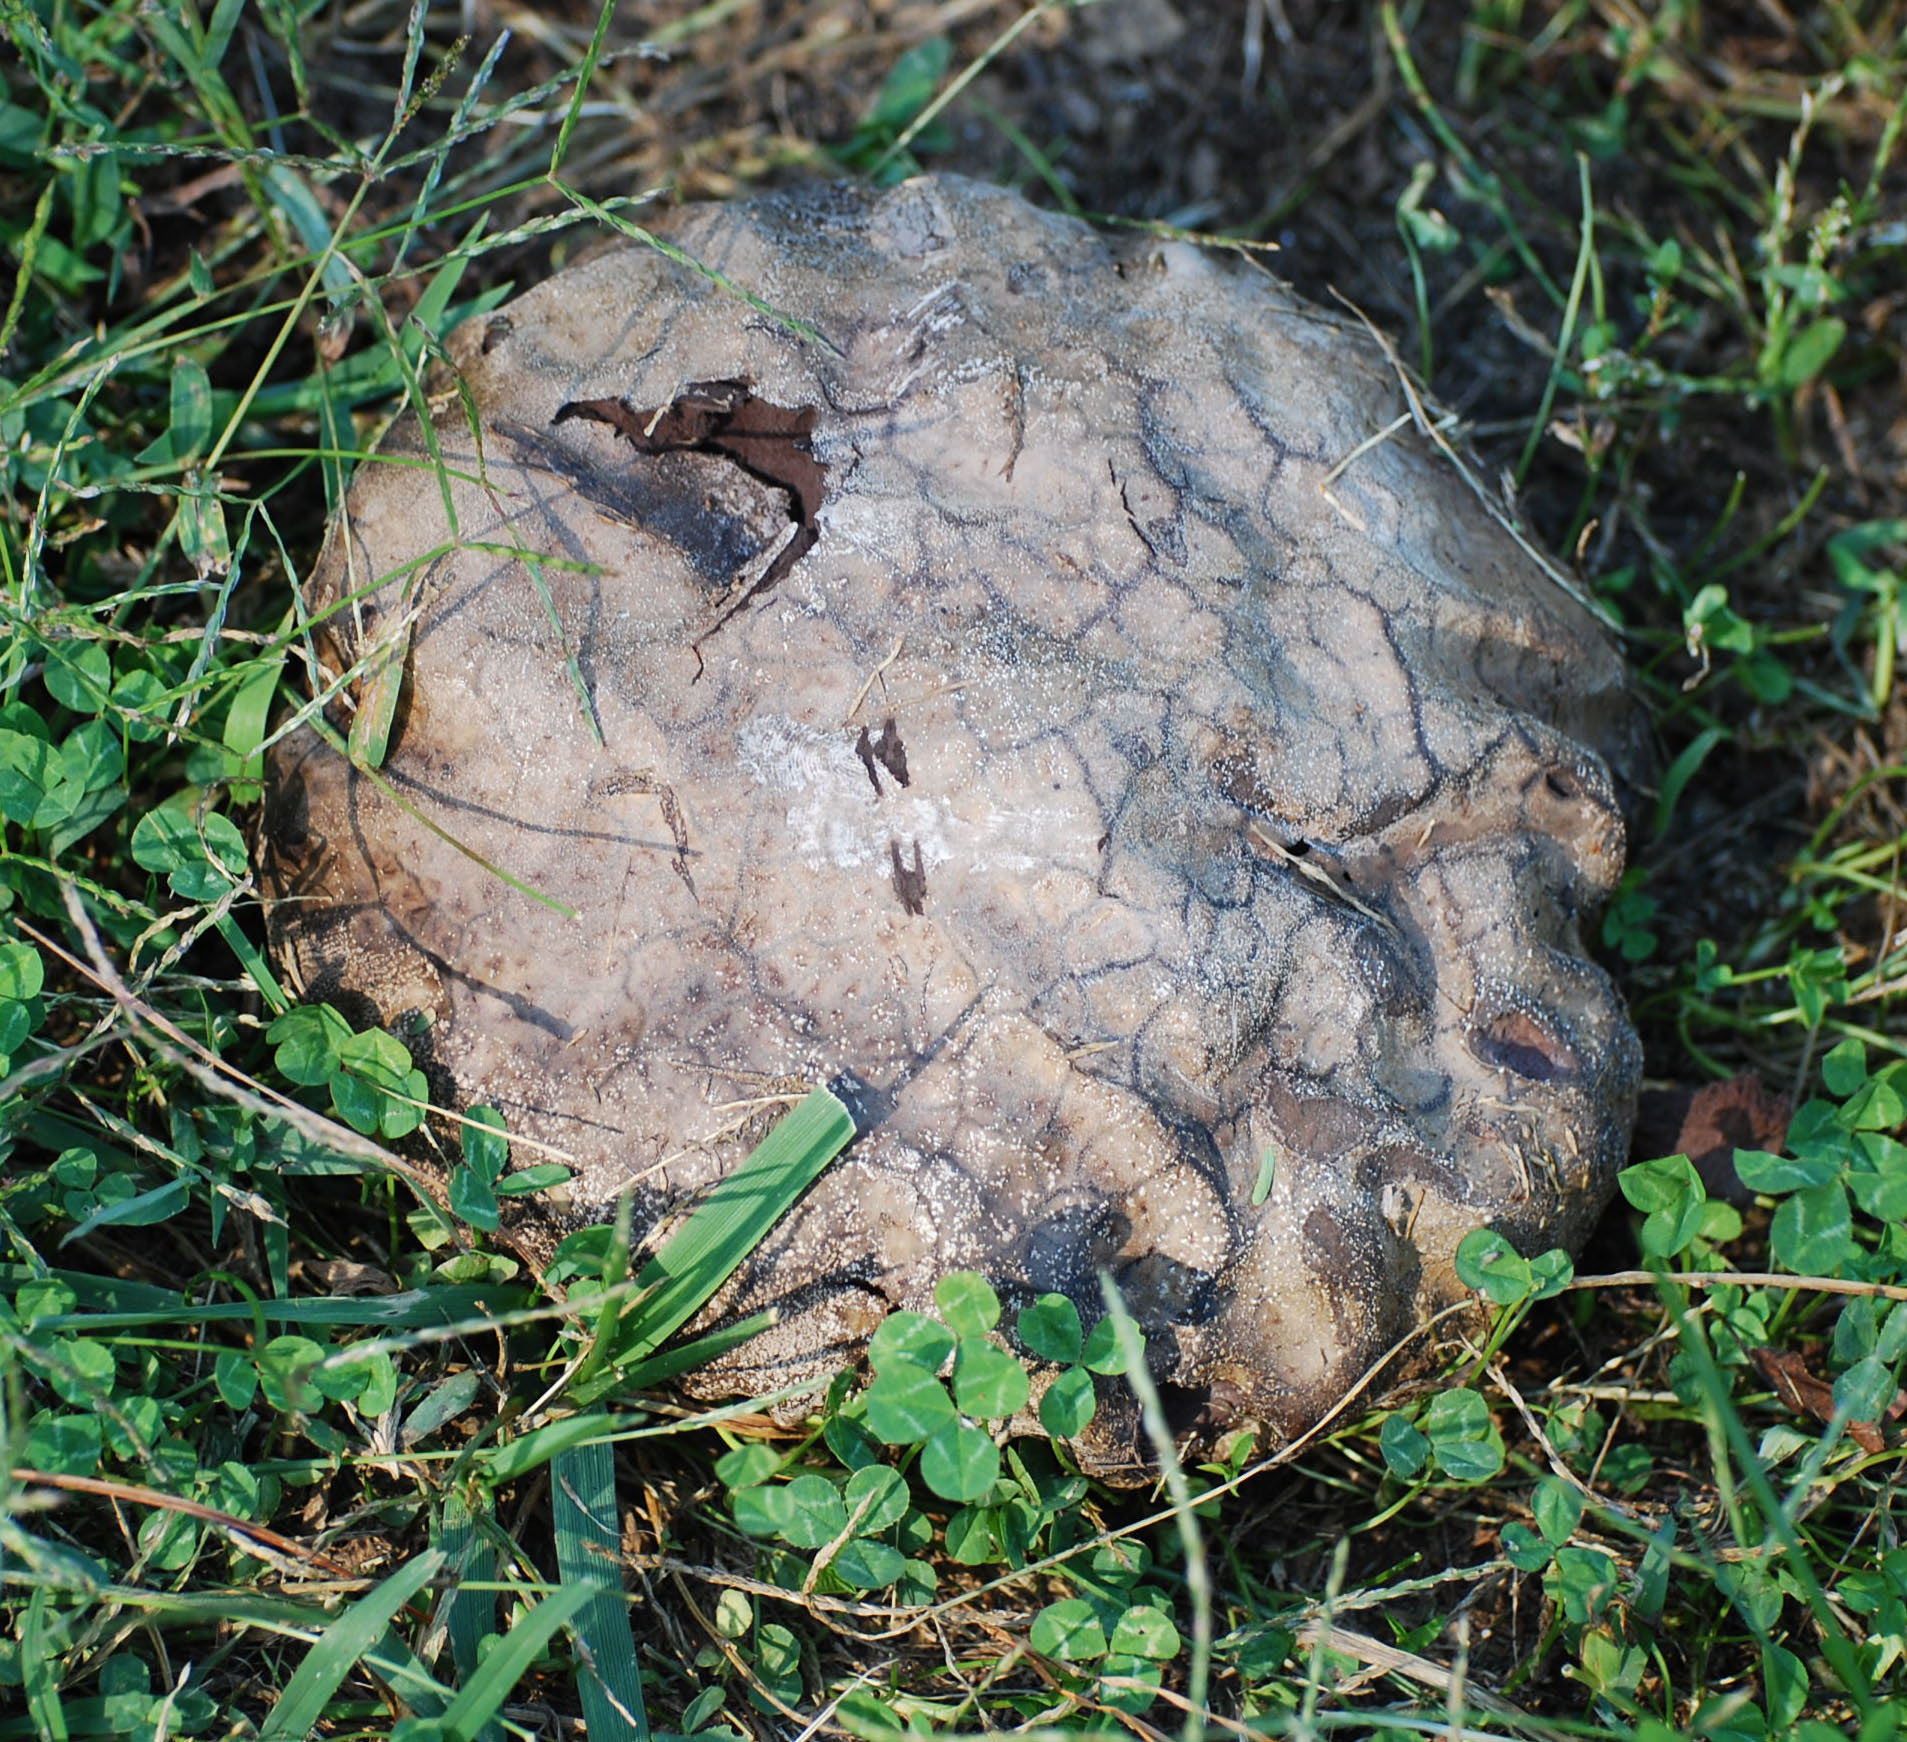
(1040, 680)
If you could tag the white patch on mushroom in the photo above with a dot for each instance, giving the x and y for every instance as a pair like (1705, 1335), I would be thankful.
(835, 818)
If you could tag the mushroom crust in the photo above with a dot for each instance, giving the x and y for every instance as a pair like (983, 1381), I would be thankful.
(1042, 683)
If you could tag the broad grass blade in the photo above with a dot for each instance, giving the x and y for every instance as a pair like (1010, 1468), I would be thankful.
(731, 1220)
(340, 1646)
(587, 1544)
(483, 1695)
(685, 1357)
(520, 1456)
(469, 1616)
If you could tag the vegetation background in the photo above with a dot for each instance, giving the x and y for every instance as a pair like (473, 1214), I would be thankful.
(288, 1450)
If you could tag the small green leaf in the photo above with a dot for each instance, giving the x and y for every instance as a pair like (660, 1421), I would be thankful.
(1812, 1234)
(71, 1445)
(472, 1200)
(1558, 1508)
(910, 1337)
(971, 1536)
(846, 1434)
(1129, 1670)
(816, 1515)
(91, 757)
(285, 1369)
(191, 426)
(79, 675)
(30, 769)
(374, 1085)
(1144, 1631)
(22, 972)
(987, 1381)
(307, 1038)
(968, 1304)
(1845, 1068)
(142, 1210)
(1865, 1390)
(1463, 1437)
(868, 1564)
(138, 702)
(1678, 774)
(959, 1462)
(1524, 1549)
(882, 1493)
(1489, 1264)
(1050, 1329)
(778, 1663)
(764, 1509)
(1671, 1195)
(246, 723)
(486, 1146)
(1762, 1172)
(865, 1716)
(1810, 351)
(906, 1403)
(910, 85)
(235, 1378)
(1581, 1581)
(748, 1465)
(1103, 1353)
(1068, 1404)
(533, 1179)
(1553, 1271)
(1878, 1105)
(1402, 1442)
(200, 857)
(1068, 1630)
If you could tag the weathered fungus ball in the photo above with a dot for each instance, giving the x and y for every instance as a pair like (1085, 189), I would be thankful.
(1045, 678)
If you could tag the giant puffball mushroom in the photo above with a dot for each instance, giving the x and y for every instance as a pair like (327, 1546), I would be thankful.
(1061, 686)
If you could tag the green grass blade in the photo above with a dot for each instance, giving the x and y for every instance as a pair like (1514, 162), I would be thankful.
(587, 1543)
(731, 1221)
(469, 1616)
(1717, 1399)
(1680, 772)
(520, 1456)
(483, 1696)
(342, 1644)
(113, 1304)
(403, 1673)
(1566, 337)
(39, 1676)
(685, 1357)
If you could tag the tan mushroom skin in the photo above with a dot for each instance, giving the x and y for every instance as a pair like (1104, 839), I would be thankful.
(1139, 771)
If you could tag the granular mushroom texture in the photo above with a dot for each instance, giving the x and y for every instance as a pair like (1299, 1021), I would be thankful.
(1044, 682)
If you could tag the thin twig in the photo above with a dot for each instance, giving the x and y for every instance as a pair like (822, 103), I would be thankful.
(135, 1494)
(1743, 1279)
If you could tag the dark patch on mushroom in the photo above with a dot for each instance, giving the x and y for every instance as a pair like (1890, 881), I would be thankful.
(1513, 1040)
(864, 748)
(891, 752)
(910, 882)
(769, 442)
